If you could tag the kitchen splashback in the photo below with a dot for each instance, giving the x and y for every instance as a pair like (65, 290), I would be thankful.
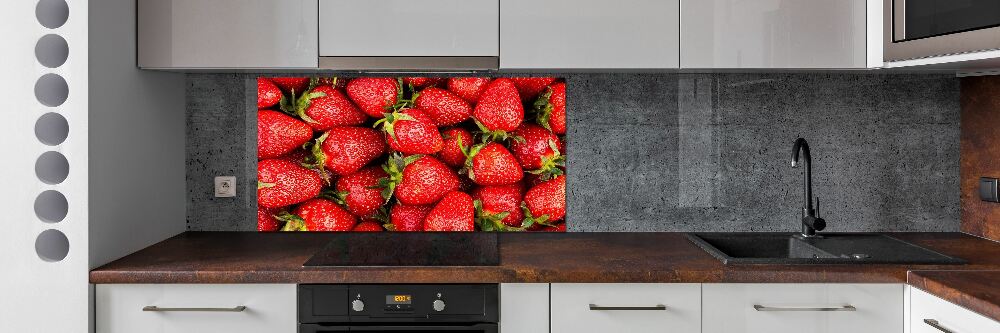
(682, 152)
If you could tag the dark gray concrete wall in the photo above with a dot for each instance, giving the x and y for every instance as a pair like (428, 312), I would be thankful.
(685, 152)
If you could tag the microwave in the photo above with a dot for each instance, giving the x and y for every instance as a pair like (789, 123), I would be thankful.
(915, 29)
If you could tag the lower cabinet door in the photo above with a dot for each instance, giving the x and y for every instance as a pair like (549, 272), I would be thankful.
(194, 308)
(930, 314)
(634, 308)
(803, 308)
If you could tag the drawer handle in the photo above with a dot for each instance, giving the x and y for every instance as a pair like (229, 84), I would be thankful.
(595, 307)
(935, 324)
(759, 307)
(154, 308)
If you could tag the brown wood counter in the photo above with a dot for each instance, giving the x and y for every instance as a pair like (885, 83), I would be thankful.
(250, 257)
(978, 291)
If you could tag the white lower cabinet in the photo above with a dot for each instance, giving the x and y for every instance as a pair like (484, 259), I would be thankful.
(524, 308)
(930, 314)
(803, 308)
(634, 308)
(195, 308)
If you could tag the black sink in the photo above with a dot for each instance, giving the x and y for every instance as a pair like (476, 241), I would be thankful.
(833, 248)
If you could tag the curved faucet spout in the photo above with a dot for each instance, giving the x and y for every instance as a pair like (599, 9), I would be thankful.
(810, 222)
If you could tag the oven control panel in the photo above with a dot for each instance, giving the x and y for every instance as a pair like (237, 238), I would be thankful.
(398, 303)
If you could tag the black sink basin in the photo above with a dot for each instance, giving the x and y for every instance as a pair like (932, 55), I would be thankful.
(836, 248)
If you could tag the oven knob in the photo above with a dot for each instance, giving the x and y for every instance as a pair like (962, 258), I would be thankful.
(358, 305)
(438, 305)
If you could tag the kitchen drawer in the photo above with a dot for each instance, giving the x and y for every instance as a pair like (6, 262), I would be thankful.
(802, 308)
(269, 308)
(634, 308)
(948, 317)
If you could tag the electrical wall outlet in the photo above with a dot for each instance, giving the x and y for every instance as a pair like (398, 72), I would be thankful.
(225, 187)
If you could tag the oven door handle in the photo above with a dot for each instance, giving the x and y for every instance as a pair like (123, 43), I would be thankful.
(485, 328)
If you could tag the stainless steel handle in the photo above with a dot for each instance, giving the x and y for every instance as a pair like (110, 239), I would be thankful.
(759, 307)
(240, 308)
(935, 324)
(595, 307)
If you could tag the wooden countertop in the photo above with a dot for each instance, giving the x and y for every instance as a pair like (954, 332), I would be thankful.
(978, 291)
(250, 257)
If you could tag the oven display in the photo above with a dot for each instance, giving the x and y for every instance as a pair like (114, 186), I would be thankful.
(398, 299)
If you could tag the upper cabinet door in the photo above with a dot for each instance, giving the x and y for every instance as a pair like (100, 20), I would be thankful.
(775, 34)
(409, 28)
(191, 34)
(589, 34)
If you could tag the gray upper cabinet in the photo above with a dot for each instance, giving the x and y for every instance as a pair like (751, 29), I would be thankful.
(221, 34)
(409, 34)
(779, 34)
(589, 34)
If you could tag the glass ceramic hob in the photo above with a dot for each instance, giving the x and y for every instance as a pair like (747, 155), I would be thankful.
(409, 249)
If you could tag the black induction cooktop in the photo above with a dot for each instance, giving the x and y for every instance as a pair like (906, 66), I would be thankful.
(409, 249)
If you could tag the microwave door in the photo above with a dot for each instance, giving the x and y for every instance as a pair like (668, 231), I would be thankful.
(916, 19)
(915, 29)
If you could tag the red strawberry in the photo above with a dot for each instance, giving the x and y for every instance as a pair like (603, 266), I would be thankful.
(499, 109)
(420, 82)
(550, 108)
(268, 94)
(278, 134)
(325, 107)
(530, 87)
(266, 220)
(360, 192)
(443, 106)
(282, 183)
(452, 152)
(345, 150)
(291, 85)
(408, 218)
(411, 132)
(368, 226)
(492, 164)
(418, 179)
(538, 150)
(320, 215)
(468, 88)
(499, 207)
(374, 94)
(546, 202)
(455, 212)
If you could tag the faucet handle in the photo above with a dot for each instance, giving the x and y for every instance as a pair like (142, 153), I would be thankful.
(817, 206)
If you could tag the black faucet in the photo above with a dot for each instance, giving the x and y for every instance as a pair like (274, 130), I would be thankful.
(811, 222)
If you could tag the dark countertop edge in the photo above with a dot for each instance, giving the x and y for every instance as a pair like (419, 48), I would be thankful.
(973, 290)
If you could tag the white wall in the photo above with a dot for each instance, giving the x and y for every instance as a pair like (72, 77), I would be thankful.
(137, 186)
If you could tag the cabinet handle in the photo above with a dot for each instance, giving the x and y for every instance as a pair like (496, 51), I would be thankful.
(935, 324)
(759, 307)
(240, 308)
(595, 307)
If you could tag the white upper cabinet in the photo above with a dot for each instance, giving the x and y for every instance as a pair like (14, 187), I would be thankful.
(589, 34)
(780, 34)
(227, 34)
(408, 28)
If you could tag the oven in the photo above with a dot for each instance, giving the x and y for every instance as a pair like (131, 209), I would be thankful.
(916, 29)
(400, 308)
